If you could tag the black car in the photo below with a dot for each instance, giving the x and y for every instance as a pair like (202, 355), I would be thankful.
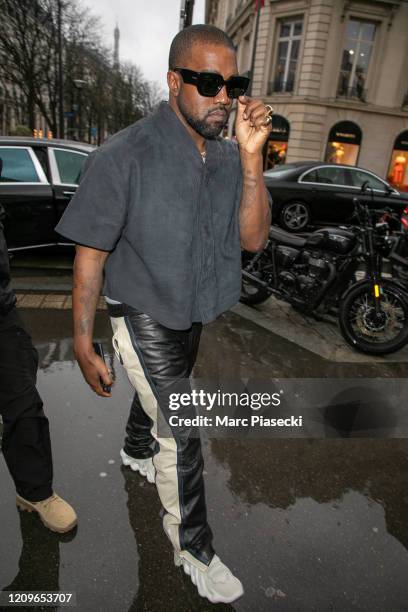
(314, 193)
(38, 179)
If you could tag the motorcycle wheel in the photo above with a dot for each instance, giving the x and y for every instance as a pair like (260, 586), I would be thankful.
(252, 294)
(358, 324)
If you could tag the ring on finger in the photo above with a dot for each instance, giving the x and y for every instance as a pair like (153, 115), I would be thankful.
(270, 110)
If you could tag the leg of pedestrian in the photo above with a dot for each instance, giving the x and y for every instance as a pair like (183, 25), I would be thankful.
(26, 443)
(140, 445)
(158, 361)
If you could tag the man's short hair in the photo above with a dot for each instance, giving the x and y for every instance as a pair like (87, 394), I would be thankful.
(195, 34)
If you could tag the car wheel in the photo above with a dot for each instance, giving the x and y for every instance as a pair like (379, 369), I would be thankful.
(295, 216)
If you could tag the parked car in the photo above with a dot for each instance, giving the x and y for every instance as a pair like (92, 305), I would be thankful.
(38, 179)
(314, 193)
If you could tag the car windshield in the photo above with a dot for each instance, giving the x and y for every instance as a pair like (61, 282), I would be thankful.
(279, 171)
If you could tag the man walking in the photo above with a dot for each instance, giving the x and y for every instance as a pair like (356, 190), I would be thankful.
(164, 207)
(26, 444)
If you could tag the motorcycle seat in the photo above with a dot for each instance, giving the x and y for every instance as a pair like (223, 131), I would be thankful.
(286, 238)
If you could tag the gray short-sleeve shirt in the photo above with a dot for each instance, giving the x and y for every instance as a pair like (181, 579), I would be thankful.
(169, 220)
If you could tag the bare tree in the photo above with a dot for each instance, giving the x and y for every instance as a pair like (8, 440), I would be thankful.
(24, 52)
(109, 98)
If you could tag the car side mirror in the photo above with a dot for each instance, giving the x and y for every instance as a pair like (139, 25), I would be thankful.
(364, 186)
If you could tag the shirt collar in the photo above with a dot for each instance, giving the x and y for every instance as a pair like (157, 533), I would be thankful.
(174, 131)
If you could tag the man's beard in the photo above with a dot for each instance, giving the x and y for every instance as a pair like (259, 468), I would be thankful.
(209, 131)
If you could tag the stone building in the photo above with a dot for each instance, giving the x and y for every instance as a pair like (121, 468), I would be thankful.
(336, 73)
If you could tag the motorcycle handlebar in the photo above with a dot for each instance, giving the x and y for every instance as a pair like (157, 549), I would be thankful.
(363, 212)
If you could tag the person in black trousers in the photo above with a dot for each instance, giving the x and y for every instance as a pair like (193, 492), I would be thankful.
(26, 444)
(159, 218)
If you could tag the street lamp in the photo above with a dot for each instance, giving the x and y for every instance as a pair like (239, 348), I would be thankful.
(79, 84)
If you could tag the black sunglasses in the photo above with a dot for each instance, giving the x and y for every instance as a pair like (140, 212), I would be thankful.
(210, 83)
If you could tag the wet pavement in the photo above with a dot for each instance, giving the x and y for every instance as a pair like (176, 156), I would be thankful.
(45, 281)
(308, 525)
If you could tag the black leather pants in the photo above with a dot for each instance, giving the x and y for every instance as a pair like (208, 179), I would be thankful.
(158, 362)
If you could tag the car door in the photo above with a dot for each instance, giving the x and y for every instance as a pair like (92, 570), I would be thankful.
(27, 199)
(379, 197)
(331, 195)
(66, 167)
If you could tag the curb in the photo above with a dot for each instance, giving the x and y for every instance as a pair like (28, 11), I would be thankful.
(50, 301)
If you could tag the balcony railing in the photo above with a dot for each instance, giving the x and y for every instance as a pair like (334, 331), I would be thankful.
(353, 93)
(279, 86)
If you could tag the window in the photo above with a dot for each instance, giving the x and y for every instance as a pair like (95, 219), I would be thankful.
(287, 53)
(18, 166)
(69, 164)
(343, 145)
(356, 58)
(41, 155)
(398, 170)
(275, 149)
(331, 176)
(310, 177)
(275, 153)
(358, 177)
(245, 54)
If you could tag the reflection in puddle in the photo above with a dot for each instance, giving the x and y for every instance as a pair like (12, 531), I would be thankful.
(281, 472)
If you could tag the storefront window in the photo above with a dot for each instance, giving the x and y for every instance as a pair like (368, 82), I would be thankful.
(398, 170)
(276, 146)
(275, 154)
(342, 153)
(343, 144)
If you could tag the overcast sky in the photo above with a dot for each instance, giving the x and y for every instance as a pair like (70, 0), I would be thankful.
(147, 28)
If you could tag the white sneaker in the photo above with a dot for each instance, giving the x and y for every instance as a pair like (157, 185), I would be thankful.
(217, 582)
(144, 466)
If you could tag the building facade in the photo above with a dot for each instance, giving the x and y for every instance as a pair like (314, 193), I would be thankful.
(336, 73)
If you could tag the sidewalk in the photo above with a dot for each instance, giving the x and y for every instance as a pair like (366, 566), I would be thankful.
(321, 337)
(53, 301)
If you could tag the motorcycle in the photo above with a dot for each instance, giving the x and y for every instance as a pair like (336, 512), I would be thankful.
(398, 252)
(316, 274)
(395, 245)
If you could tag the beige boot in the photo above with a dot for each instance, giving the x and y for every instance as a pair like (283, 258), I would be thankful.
(55, 513)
